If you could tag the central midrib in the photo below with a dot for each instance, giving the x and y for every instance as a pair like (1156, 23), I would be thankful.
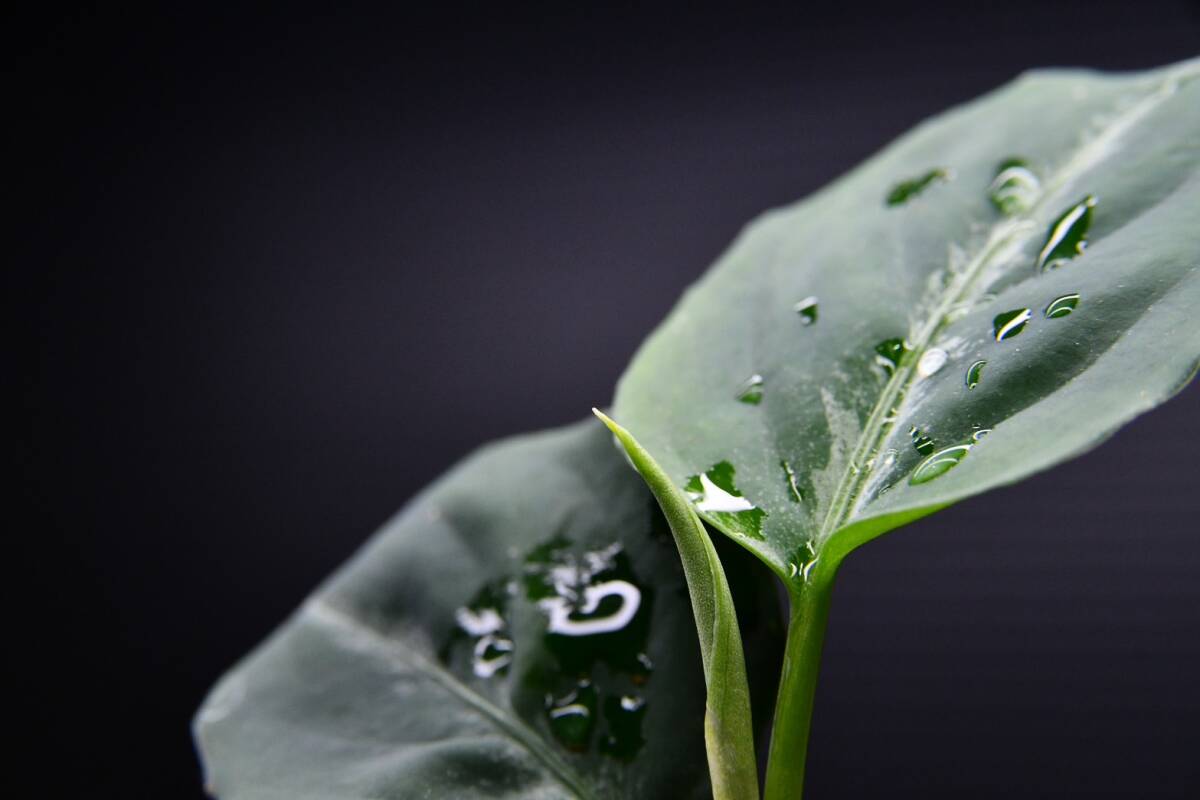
(326, 613)
(1002, 234)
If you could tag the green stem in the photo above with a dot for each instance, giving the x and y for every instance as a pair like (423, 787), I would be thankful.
(798, 684)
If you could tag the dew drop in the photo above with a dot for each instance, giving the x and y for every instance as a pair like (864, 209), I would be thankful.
(931, 361)
(939, 463)
(1010, 323)
(1067, 236)
(889, 353)
(906, 190)
(602, 607)
(789, 477)
(573, 716)
(715, 493)
(802, 563)
(645, 667)
(631, 702)
(624, 716)
(752, 390)
(1015, 187)
(807, 309)
(1062, 306)
(492, 654)
(923, 444)
(979, 434)
(807, 569)
(975, 373)
(492, 650)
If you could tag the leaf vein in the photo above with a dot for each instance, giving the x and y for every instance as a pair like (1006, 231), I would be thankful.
(365, 637)
(1002, 236)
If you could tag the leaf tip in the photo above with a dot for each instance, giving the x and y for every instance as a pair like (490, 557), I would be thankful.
(608, 422)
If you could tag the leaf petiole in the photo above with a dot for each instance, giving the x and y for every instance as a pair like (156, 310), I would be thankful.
(798, 683)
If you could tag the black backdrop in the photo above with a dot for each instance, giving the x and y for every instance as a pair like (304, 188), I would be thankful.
(280, 271)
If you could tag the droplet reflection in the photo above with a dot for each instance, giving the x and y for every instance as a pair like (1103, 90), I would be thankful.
(715, 493)
(889, 353)
(939, 463)
(1010, 323)
(931, 361)
(807, 309)
(1062, 306)
(906, 190)
(1015, 187)
(975, 373)
(751, 392)
(1067, 235)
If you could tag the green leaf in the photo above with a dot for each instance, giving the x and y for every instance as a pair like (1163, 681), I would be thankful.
(728, 729)
(998, 291)
(521, 630)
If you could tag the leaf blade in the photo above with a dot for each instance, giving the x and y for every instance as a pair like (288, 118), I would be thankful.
(930, 274)
(374, 687)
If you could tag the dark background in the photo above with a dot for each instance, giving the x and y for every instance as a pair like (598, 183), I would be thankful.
(277, 272)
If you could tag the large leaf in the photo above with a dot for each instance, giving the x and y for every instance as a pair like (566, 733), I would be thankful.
(520, 630)
(816, 388)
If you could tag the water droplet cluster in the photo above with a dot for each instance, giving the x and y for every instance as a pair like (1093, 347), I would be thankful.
(595, 611)
(1015, 189)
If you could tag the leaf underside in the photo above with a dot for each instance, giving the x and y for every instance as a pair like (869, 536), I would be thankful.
(994, 293)
(394, 680)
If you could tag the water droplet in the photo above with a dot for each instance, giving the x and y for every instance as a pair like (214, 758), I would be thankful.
(752, 390)
(1062, 306)
(923, 444)
(904, 191)
(623, 716)
(584, 616)
(939, 463)
(789, 477)
(807, 569)
(1015, 187)
(975, 373)
(889, 353)
(979, 434)
(632, 703)
(595, 607)
(493, 650)
(1010, 323)
(807, 309)
(479, 622)
(715, 493)
(931, 361)
(492, 654)
(802, 562)
(572, 717)
(1067, 236)
(482, 620)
